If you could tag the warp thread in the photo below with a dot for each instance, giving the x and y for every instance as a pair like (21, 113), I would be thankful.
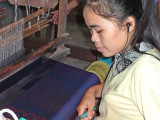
(11, 44)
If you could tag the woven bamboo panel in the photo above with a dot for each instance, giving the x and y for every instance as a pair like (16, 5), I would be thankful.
(35, 3)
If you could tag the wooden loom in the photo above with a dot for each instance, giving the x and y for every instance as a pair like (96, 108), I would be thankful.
(61, 33)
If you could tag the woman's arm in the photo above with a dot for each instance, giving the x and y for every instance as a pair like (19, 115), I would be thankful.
(89, 100)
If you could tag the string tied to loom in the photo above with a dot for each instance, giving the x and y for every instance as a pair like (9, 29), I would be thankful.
(38, 19)
(28, 12)
(45, 15)
(15, 19)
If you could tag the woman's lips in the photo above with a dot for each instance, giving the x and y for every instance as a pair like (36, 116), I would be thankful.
(99, 49)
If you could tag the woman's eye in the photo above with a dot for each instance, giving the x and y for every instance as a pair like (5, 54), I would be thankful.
(91, 31)
(99, 31)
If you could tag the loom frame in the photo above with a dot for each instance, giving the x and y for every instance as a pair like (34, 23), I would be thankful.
(55, 43)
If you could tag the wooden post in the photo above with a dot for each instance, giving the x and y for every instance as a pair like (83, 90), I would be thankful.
(62, 17)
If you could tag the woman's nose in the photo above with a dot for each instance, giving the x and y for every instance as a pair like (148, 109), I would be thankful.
(94, 38)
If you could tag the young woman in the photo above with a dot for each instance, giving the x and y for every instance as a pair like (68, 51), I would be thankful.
(128, 29)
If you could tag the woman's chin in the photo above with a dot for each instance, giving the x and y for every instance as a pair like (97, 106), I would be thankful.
(106, 55)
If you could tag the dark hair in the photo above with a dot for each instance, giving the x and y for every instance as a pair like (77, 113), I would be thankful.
(144, 12)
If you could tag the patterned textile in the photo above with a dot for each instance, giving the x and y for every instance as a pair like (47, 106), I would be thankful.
(130, 56)
(57, 93)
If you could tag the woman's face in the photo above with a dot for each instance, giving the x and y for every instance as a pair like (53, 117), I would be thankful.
(109, 39)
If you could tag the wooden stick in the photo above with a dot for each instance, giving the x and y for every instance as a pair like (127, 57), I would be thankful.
(35, 28)
(26, 19)
(40, 23)
(26, 60)
(34, 31)
(36, 24)
(62, 17)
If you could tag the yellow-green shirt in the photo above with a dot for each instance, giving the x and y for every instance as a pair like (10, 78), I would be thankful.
(133, 94)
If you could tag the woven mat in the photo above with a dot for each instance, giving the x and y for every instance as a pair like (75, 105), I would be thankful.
(57, 93)
(35, 3)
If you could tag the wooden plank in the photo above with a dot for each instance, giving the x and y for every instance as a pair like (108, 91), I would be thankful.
(36, 3)
(62, 17)
(3, 0)
(26, 19)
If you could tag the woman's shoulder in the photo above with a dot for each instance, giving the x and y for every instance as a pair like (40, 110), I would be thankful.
(146, 72)
(148, 63)
(149, 58)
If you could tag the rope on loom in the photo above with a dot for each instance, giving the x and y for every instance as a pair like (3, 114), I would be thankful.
(28, 12)
(48, 10)
(44, 15)
(15, 19)
(38, 19)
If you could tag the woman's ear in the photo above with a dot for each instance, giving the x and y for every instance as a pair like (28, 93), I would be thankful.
(130, 24)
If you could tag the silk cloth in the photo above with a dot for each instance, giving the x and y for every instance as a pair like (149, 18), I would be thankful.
(57, 92)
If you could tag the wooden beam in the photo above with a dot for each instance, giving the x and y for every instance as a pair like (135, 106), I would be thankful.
(3, 0)
(36, 27)
(26, 19)
(62, 17)
(36, 3)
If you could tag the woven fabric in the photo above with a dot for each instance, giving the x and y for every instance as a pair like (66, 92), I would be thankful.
(35, 3)
(57, 93)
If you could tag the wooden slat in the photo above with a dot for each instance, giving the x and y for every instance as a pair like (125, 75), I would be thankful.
(33, 25)
(62, 17)
(26, 19)
(35, 30)
(36, 27)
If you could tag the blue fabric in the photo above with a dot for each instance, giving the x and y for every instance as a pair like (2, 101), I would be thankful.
(106, 60)
(57, 93)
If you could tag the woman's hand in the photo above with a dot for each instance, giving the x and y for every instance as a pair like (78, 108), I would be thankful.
(55, 17)
(89, 101)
